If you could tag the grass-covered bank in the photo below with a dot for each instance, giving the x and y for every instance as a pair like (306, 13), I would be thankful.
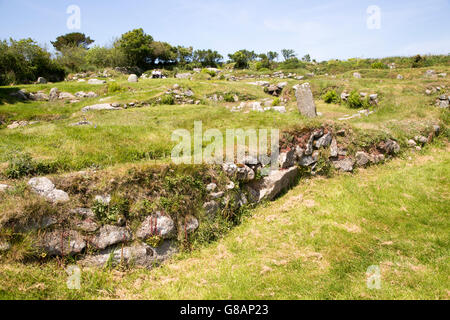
(316, 242)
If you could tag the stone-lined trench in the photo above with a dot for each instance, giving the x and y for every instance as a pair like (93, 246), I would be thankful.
(148, 239)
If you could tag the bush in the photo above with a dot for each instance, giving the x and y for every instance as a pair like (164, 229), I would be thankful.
(24, 61)
(20, 165)
(229, 97)
(212, 73)
(167, 99)
(114, 87)
(276, 102)
(379, 65)
(354, 101)
(331, 97)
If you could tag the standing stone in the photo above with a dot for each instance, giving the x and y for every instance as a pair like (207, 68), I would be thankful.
(41, 80)
(54, 94)
(305, 101)
(133, 78)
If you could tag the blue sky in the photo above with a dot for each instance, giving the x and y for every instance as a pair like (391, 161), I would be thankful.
(324, 29)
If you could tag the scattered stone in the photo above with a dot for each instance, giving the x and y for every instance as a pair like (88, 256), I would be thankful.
(211, 208)
(41, 186)
(110, 235)
(273, 184)
(41, 80)
(378, 158)
(430, 73)
(62, 243)
(96, 81)
(157, 225)
(81, 123)
(389, 147)
(4, 246)
(211, 187)
(245, 174)
(411, 143)
(103, 106)
(216, 195)
(287, 159)
(82, 94)
(21, 94)
(183, 75)
(307, 161)
(230, 169)
(88, 225)
(357, 75)
(191, 224)
(399, 77)
(38, 96)
(362, 159)
(140, 255)
(325, 141)
(334, 148)
(305, 101)
(345, 165)
(344, 96)
(57, 196)
(18, 124)
(54, 94)
(4, 187)
(105, 200)
(436, 129)
(83, 212)
(133, 78)
(421, 139)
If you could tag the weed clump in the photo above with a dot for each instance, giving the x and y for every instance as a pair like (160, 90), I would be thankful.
(331, 97)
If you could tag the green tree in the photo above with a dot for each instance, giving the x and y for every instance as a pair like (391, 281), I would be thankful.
(184, 55)
(272, 55)
(207, 58)
(23, 61)
(306, 58)
(137, 47)
(288, 54)
(74, 39)
(240, 58)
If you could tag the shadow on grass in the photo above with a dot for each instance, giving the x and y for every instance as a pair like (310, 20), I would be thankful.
(7, 97)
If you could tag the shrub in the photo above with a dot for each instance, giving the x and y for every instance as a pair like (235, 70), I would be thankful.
(276, 102)
(114, 87)
(355, 101)
(20, 165)
(331, 97)
(167, 99)
(229, 97)
(212, 73)
(378, 65)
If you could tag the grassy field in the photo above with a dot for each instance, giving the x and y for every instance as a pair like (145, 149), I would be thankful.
(144, 133)
(315, 242)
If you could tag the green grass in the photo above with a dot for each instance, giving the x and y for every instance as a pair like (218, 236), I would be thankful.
(315, 242)
(141, 134)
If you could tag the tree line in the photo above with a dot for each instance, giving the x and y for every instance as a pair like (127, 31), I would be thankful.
(23, 61)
